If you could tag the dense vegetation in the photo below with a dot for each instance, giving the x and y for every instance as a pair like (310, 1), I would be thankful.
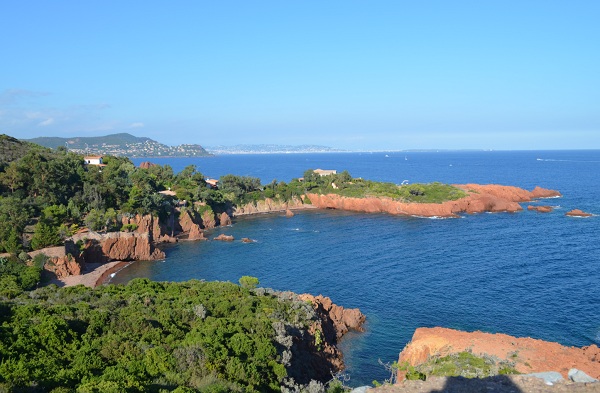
(145, 337)
(343, 184)
(46, 195)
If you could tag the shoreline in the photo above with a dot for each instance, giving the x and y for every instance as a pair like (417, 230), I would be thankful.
(98, 275)
(291, 208)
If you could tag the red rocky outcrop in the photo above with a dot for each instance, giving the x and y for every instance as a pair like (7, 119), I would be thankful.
(119, 246)
(63, 266)
(189, 228)
(341, 319)
(540, 209)
(208, 220)
(224, 219)
(529, 355)
(481, 198)
(115, 246)
(578, 213)
(150, 225)
(147, 165)
(225, 238)
(539, 192)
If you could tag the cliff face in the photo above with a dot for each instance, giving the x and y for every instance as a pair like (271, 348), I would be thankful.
(337, 320)
(314, 353)
(269, 205)
(116, 246)
(189, 225)
(63, 266)
(529, 355)
(480, 198)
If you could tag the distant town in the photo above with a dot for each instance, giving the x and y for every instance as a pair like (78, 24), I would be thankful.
(144, 149)
(121, 145)
(270, 149)
(128, 145)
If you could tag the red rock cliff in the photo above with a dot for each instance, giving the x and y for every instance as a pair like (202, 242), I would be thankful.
(118, 246)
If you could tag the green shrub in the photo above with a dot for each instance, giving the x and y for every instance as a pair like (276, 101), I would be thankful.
(465, 364)
(146, 334)
(249, 282)
(129, 227)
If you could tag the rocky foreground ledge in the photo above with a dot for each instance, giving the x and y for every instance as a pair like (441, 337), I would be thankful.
(480, 198)
(526, 355)
(491, 362)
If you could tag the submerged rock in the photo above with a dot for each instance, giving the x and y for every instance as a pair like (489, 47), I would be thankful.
(225, 238)
(540, 209)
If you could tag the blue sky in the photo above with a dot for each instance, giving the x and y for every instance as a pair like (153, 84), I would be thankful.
(348, 74)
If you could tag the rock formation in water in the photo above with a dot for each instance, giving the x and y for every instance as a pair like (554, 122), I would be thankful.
(540, 209)
(224, 238)
(527, 354)
(578, 213)
(224, 219)
(481, 198)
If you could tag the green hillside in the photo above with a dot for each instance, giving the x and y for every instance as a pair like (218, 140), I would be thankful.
(121, 145)
(120, 139)
(12, 149)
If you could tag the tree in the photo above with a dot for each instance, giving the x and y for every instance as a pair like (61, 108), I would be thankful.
(13, 177)
(45, 235)
(249, 282)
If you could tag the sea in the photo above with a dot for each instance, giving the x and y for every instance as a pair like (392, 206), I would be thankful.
(525, 274)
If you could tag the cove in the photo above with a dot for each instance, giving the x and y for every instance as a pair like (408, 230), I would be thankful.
(505, 273)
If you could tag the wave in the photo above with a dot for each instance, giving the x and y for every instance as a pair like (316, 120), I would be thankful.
(433, 217)
(557, 160)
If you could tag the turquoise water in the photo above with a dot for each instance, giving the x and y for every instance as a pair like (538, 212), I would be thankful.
(524, 274)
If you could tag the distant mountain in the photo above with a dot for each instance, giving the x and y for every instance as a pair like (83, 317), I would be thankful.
(80, 142)
(122, 144)
(270, 149)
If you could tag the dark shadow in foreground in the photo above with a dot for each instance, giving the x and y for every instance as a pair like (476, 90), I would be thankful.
(498, 383)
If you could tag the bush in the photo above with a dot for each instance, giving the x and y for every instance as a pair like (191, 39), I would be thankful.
(189, 336)
(249, 282)
(129, 227)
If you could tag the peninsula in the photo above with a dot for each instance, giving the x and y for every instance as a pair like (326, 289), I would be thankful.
(121, 145)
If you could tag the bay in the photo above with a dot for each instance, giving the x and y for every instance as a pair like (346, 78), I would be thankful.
(524, 274)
